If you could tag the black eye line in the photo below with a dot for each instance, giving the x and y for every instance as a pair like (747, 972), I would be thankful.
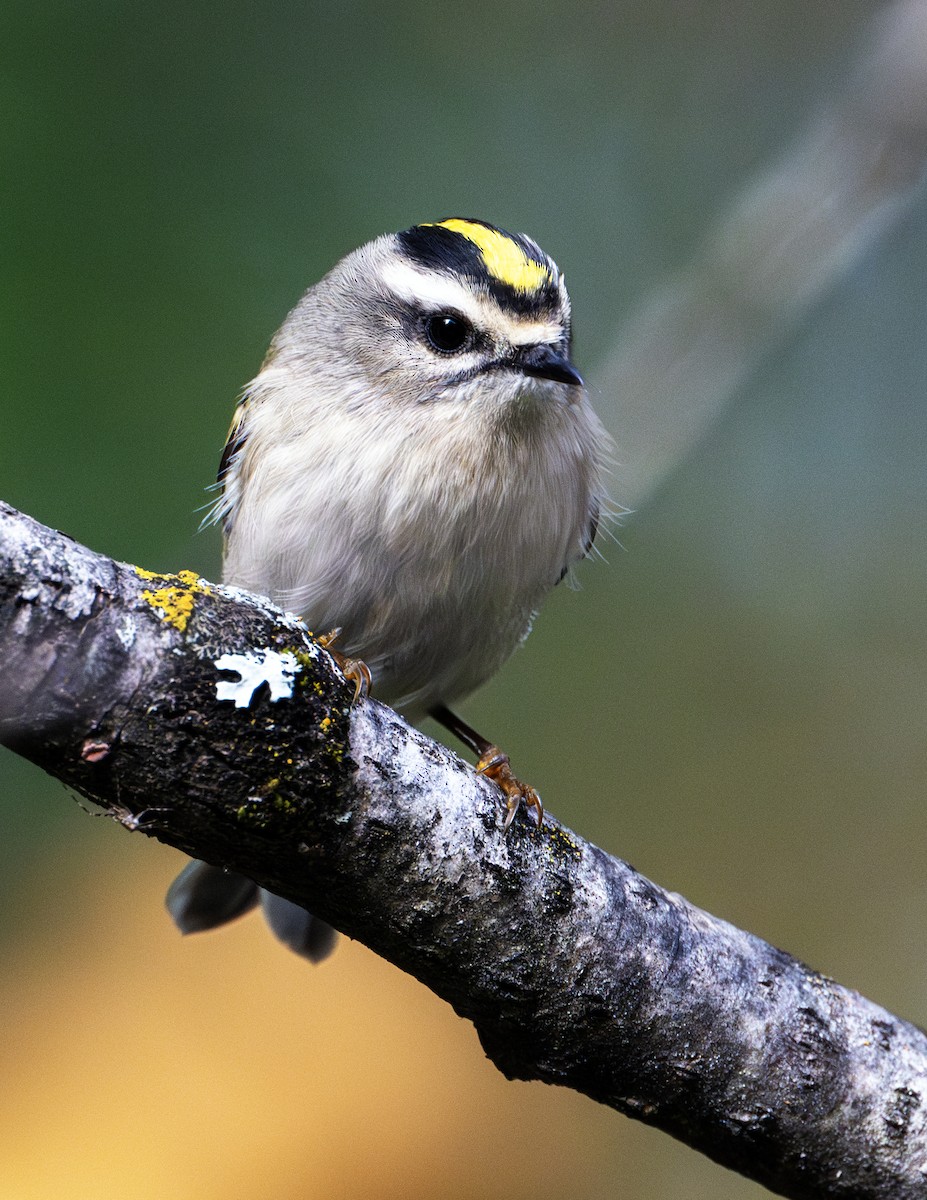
(499, 365)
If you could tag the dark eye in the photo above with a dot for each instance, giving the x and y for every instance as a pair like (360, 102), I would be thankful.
(446, 333)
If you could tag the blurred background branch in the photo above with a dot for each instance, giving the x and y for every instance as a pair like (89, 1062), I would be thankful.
(791, 234)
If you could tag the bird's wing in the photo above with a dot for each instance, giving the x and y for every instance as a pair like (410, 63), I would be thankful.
(228, 481)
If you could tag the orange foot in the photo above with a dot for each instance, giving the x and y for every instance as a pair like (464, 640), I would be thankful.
(494, 764)
(353, 669)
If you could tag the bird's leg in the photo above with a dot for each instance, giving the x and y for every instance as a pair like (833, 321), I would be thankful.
(492, 763)
(353, 669)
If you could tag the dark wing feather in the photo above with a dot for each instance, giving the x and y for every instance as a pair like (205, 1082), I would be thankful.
(233, 443)
(592, 528)
(226, 479)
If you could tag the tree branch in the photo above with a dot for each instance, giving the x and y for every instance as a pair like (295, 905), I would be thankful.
(210, 720)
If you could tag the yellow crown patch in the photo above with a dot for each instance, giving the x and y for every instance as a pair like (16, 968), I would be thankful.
(504, 258)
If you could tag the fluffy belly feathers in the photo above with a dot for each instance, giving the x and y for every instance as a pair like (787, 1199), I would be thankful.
(434, 584)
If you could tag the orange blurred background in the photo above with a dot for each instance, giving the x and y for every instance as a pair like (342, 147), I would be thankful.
(224, 1066)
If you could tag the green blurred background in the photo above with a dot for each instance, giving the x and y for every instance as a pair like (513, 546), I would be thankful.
(734, 701)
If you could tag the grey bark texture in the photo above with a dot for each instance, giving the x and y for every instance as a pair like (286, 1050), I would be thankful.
(211, 720)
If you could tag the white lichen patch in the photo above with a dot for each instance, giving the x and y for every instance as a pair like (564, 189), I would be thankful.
(126, 630)
(256, 668)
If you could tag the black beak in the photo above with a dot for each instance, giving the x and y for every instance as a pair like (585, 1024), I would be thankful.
(545, 362)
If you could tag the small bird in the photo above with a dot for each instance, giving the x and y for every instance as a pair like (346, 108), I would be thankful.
(415, 466)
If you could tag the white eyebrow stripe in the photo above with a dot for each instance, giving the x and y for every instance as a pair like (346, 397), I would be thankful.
(429, 287)
(432, 288)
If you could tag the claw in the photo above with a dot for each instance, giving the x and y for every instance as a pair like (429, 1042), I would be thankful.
(494, 764)
(353, 669)
(511, 807)
(357, 672)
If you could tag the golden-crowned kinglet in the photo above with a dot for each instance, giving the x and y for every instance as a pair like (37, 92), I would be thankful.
(417, 464)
